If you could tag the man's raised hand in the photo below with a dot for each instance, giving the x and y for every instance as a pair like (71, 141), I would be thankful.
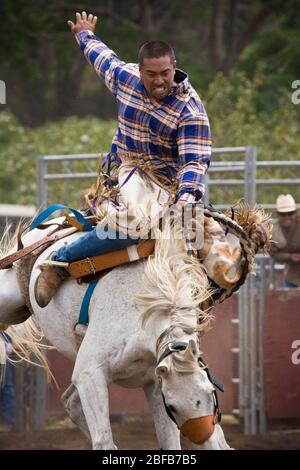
(83, 22)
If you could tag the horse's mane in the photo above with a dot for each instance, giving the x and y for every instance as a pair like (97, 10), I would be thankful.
(175, 283)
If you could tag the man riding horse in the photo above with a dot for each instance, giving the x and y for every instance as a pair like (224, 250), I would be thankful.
(159, 154)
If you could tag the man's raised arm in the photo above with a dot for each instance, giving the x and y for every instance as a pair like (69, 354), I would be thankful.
(105, 62)
(194, 151)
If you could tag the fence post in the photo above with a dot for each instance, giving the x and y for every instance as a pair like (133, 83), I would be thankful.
(38, 398)
(206, 194)
(252, 351)
(247, 309)
(41, 184)
(250, 175)
(261, 335)
(242, 356)
(20, 392)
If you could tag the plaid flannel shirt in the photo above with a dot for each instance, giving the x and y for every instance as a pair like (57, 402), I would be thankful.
(173, 133)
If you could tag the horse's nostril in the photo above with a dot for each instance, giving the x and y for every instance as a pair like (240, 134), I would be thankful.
(172, 409)
(198, 403)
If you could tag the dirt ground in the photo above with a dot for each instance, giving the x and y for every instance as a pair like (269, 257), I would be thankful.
(137, 432)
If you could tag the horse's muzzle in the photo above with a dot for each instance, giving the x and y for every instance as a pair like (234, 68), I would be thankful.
(199, 430)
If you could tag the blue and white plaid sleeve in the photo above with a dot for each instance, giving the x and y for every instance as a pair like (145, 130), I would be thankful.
(105, 62)
(194, 151)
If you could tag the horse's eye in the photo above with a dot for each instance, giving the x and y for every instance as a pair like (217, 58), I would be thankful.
(172, 409)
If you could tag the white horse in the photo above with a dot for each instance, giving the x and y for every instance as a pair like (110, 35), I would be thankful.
(123, 346)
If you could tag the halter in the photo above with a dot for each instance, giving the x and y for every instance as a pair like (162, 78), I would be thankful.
(176, 346)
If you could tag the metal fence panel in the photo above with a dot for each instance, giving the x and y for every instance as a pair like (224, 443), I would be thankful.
(251, 295)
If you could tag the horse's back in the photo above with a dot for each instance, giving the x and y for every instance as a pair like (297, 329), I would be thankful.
(112, 310)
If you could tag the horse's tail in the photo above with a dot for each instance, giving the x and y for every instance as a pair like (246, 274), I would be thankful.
(27, 342)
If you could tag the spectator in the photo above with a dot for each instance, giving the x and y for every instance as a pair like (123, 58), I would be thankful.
(7, 391)
(286, 234)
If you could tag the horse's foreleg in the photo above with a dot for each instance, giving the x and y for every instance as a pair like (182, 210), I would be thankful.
(166, 431)
(71, 402)
(91, 384)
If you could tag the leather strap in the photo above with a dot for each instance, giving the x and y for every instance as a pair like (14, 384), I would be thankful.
(48, 240)
(94, 264)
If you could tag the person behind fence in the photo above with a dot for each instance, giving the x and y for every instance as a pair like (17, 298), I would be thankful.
(286, 235)
(159, 155)
(7, 391)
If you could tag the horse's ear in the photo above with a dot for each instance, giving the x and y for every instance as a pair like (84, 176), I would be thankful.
(191, 350)
(162, 369)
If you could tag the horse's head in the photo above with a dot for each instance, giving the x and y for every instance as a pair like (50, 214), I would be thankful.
(221, 255)
(188, 390)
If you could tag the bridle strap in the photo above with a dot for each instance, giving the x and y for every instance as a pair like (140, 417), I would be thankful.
(176, 346)
(168, 411)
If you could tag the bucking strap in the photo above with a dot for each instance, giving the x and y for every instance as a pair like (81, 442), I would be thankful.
(6, 262)
(84, 310)
(94, 264)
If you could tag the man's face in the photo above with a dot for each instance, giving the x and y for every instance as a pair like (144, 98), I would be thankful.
(157, 75)
(286, 219)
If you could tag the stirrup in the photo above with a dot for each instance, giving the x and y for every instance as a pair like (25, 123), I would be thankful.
(50, 262)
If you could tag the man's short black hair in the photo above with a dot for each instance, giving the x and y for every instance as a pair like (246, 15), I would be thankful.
(155, 50)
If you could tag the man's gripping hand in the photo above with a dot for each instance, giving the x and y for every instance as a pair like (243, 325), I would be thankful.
(83, 22)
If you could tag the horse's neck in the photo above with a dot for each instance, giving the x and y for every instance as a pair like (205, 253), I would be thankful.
(176, 286)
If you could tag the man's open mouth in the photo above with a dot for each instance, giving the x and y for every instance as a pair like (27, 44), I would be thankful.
(159, 90)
